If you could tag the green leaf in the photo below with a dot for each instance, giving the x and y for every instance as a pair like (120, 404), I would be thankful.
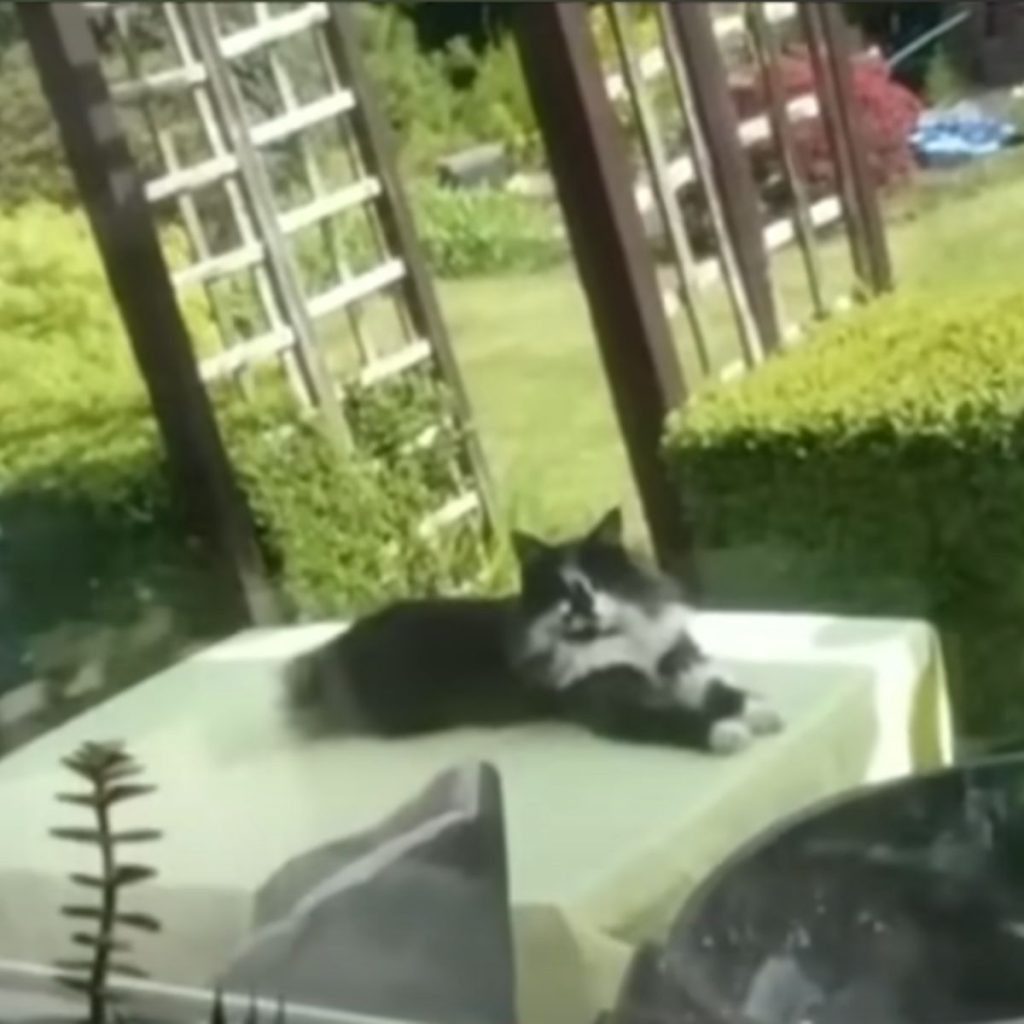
(79, 984)
(128, 970)
(78, 911)
(79, 799)
(77, 835)
(143, 922)
(133, 874)
(124, 770)
(100, 942)
(74, 966)
(89, 881)
(138, 835)
(118, 794)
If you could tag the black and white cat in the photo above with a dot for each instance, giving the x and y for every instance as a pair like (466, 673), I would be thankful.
(594, 636)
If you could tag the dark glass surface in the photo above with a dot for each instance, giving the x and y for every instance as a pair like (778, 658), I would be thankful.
(902, 904)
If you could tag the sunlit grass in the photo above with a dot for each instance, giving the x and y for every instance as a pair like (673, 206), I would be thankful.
(528, 353)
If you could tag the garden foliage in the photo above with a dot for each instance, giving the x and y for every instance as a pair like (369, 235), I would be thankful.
(91, 541)
(879, 470)
(888, 112)
(467, 232)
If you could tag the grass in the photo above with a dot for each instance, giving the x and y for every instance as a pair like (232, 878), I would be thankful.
(527, 348)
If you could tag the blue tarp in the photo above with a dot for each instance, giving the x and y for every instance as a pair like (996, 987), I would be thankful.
(958, 134)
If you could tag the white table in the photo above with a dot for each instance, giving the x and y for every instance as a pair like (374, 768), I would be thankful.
(605, 839)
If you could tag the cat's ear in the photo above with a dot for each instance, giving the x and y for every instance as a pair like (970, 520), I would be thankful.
(527, 547)
(608, 531)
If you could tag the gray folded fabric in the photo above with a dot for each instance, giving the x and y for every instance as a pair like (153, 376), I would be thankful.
(409, 920)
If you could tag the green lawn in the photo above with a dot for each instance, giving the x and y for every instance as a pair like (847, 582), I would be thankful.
(527, 349)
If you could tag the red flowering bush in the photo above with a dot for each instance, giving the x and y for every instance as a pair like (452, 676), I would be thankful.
(888, 114)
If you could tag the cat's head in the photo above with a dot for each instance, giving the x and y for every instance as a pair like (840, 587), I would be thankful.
(581, 587)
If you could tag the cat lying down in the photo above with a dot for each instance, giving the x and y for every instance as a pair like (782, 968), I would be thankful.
(594, 636)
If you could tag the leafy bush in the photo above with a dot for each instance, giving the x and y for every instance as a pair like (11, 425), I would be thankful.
(415, 92)
(483, 231)
(97, 574)
(442, 101)
(879, 469)
(496, 105)
(92, 546)
(61, 336)
(32, 165)
(888, 112)
(91, 533)
(343, 535)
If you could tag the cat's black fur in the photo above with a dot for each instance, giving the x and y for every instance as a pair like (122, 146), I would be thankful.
(593, 636)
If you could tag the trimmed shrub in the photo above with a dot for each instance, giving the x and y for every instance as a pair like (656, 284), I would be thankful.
(90, 536)
(879, 470)
(95, 577)
(342, 535)
(60, 334)
(887, 109)
(92, 547)
(466, 232)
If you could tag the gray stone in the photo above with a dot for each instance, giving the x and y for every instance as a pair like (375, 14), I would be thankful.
(478, 167)
(409, 920)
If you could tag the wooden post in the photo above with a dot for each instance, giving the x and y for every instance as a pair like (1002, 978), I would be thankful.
(837, 141)
(112, 192)
(665, 195)
(749, 334)
(767, 47)
(717, 121)
(589, 161)
(377, 150)
(834, 34)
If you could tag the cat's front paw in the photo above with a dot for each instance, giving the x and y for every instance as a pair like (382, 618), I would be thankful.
(761, 718)
(730, 736)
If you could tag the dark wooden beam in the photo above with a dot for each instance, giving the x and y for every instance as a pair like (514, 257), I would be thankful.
(838, 143)
(111, 190)
(589, 160)
(835, 35)
(769, 56)
(719, 125)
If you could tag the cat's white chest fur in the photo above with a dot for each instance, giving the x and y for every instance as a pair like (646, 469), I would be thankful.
(630, 637)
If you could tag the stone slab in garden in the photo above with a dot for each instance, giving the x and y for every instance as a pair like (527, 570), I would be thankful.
(486, 166)
(604, 839)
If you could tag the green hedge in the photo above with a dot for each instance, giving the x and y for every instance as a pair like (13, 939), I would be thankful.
(471, 232)
(91, 542)
(93, 551)
(879, 469)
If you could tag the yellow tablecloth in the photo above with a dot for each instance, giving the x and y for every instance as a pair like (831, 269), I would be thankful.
(605, 839)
